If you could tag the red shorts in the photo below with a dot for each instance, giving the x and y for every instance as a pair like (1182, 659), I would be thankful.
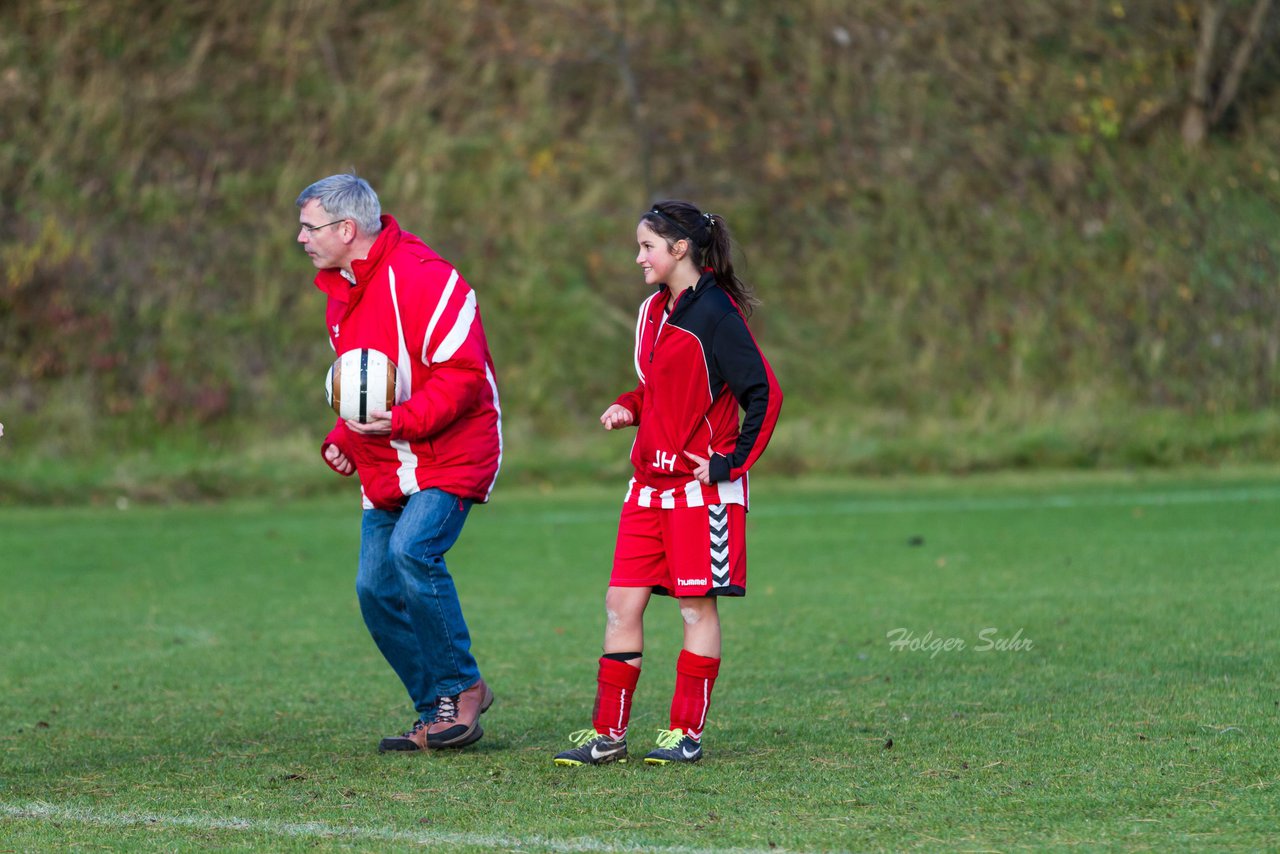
(682, 551)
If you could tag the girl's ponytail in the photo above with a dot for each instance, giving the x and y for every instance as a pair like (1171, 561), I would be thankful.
(710, 242)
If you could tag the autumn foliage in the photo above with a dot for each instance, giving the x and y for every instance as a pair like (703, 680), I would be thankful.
(974, 210)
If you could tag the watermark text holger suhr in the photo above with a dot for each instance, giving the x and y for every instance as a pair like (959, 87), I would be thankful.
(989, 640)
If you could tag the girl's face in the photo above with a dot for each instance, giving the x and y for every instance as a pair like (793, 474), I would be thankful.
(654, 257)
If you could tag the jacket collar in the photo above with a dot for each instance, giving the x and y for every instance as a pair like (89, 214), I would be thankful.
(387, 240)
(706, 282)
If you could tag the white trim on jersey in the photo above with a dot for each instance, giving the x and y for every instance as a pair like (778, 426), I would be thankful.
(640, 319)
(497, 408)
(404, 376)
(732, 491)
(435, 317)
(458, 334)
(702, 350)
(692, 494)
(407, 473)
(666, 313)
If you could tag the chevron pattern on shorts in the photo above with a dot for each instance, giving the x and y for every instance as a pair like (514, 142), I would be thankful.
(718, 515)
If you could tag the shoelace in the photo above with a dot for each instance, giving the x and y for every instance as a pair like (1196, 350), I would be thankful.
(668, 738)
(417, 725)
(583, 736)
(447, 711)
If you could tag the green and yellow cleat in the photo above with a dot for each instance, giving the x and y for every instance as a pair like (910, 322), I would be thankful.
(674, 746)
(593, 749)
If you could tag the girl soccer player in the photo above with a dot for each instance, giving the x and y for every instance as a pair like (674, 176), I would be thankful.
(681, 533)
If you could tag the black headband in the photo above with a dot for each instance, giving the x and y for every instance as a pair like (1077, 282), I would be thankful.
(680, 229)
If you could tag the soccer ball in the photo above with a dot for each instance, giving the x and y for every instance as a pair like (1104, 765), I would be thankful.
(360, 382)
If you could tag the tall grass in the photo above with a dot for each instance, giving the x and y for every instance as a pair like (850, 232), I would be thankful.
(950, 210)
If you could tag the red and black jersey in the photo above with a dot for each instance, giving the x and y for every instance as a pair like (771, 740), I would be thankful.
(698, 363)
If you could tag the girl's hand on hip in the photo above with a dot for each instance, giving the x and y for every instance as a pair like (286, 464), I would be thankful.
(702, 470)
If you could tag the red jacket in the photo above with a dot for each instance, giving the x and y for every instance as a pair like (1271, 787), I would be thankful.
(697, 365)
(446, 429)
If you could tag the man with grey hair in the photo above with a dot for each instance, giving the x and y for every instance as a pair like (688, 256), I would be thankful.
(424, 462)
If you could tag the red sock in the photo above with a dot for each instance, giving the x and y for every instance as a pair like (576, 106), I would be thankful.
(695, 677)
(615, 683)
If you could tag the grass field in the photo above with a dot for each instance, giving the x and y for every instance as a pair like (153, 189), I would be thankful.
(198, 677)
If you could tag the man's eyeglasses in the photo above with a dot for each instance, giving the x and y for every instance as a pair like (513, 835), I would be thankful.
(314, 228)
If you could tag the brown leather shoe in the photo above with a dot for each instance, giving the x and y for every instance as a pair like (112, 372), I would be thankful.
(414, 739)
(457, 722)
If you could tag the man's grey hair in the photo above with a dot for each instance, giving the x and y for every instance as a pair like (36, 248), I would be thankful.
(347, 197)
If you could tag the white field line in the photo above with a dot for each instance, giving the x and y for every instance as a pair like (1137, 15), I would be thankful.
(841, 506)
(42, 811)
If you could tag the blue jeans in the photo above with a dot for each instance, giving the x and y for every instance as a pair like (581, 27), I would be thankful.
(408, 599)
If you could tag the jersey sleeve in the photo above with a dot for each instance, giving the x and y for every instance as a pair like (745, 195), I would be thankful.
(745, 370)
(339, 436)
(634, 401)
